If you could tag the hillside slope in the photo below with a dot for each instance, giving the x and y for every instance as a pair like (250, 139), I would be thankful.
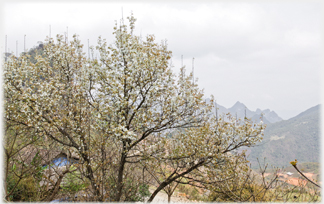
(287, 140)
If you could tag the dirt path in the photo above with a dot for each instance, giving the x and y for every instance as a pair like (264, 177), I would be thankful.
(162, 197)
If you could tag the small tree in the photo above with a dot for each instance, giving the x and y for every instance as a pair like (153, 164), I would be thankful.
(49, 97)
(136, 96)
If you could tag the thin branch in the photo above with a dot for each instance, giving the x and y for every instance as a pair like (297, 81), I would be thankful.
(295, 166)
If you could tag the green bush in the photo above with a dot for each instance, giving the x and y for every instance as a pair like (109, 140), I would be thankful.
(26, 190)
(144, 191)
(72, 184)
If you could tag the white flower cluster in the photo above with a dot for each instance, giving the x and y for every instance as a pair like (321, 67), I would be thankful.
(121, 132)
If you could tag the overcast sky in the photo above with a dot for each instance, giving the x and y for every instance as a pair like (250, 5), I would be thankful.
(265, 55)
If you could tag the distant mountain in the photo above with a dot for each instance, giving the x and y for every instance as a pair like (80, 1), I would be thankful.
(270, 115)
(239, 110)
(313, 110)
(287, 140)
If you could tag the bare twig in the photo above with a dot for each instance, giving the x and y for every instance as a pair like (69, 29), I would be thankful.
(294, 164)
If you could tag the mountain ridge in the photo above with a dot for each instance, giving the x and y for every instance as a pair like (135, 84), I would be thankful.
(239, 110)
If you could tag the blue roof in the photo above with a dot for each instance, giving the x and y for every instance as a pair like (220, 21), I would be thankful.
(61, 161)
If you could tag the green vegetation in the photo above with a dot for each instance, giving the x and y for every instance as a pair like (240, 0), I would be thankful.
(72, 183)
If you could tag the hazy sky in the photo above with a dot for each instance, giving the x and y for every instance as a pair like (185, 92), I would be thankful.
(265, 55)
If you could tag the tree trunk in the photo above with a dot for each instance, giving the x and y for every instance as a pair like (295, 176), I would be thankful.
(6, 174)
(90, 176)
(93, 183)
(56, 186)
(162, 185)
(120, 177)
(169, 198)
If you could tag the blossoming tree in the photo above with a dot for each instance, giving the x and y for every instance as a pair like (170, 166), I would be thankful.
(118, 110)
